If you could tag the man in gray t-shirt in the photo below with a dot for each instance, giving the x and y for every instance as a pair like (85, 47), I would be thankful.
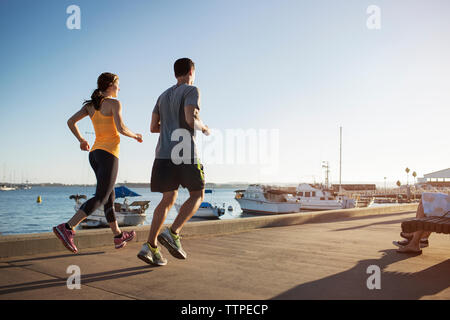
(175, 117)
(170, 109)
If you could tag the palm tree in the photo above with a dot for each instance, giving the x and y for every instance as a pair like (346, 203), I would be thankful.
(407, 175)
(414, 174)
(398, 184)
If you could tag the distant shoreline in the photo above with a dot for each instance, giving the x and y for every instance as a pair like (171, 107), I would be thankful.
(133, 185)
(209, 185)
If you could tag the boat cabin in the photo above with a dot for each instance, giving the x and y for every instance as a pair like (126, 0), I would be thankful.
(263, 193)
(305, 190)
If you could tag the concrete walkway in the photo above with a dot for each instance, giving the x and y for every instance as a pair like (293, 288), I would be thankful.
(325, 260)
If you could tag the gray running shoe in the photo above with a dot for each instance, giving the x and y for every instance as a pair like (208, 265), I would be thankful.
(172, 243)
(151, 256)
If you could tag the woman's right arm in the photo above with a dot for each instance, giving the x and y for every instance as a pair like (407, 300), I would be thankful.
(72, 123)
(121, 127)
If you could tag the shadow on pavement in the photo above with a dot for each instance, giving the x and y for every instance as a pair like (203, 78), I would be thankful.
(324, 220)
(369, 216)
(15, 266)
(55, 257)
(397, 221)
(85, 279)
(352, 284)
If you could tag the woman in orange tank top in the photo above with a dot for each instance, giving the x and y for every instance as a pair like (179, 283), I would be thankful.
(106, 116)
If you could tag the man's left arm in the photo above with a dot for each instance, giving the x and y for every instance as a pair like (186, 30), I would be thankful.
(155, 123)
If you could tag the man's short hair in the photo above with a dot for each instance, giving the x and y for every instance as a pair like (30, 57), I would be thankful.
(183, 66)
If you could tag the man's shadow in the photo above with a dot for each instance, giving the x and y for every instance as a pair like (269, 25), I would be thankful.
(352, 284)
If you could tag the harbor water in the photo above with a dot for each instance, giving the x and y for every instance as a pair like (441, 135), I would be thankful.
(20, 212)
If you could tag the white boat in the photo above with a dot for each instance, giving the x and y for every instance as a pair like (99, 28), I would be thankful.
(126, 214)
(318, 198)
(206, 209)
(380, 202)
(262, 199)
(7, 188)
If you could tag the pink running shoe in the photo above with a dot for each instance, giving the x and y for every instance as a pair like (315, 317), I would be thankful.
(126, 236)
(66, 237)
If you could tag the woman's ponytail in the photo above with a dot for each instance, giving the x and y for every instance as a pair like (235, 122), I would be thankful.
(97, 99)
(105, 80)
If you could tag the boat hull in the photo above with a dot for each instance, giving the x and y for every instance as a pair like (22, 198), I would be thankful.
(125, 219)
(7, 189)
(204, 213)
(264, 207)
(320, 205)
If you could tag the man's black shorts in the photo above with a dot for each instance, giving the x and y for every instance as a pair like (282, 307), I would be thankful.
(167, 176)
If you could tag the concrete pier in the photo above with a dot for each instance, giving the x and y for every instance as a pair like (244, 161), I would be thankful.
(322, 255)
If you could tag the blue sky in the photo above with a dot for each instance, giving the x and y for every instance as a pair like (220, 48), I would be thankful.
(301, 67)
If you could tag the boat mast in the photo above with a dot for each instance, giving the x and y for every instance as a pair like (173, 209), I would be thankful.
(326, 165)
(4, 174)
(340, 159)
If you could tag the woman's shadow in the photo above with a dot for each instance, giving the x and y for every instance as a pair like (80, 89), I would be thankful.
(353, 283)
(62, 281)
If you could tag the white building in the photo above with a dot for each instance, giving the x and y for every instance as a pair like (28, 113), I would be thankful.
(437, 176)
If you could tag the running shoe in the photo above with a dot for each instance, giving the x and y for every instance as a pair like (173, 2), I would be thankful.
(151, 255)
(66, 236)
(122, 241)
(423, 243)
(172, 243)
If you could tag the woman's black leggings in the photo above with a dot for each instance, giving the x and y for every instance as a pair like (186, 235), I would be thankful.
(105, 166)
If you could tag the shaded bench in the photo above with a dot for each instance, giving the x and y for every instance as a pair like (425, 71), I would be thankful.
(432, 224)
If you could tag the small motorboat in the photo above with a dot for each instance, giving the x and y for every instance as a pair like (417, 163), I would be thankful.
(126, 214)
(206, 210)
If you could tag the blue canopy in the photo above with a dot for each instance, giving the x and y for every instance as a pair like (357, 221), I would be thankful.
(122, 192)
(208, 191)
(206, 205)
